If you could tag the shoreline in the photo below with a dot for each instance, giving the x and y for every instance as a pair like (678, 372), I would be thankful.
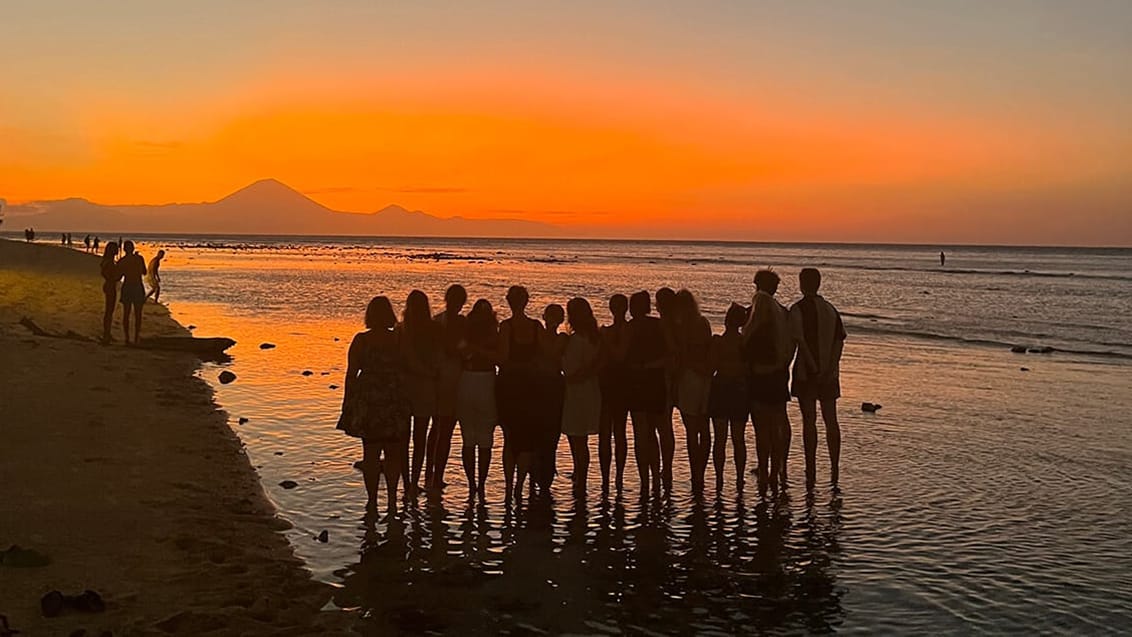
(118, 465)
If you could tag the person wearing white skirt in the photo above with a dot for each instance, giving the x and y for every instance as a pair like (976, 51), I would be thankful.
(475, 397)
(581, 408)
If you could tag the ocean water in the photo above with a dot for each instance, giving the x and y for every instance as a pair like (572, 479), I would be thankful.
(991, 494)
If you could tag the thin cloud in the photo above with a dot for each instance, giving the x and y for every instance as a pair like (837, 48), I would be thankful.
(426, 190)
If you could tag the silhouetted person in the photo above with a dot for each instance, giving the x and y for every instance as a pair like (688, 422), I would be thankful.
(821, 339)
(770, 346)
(692, 335)
(451, 325)
(86, 243)
(648, 396)
(421, 350)
(374, 407)
(518, 389)
(63, 239)
(729, 405)
(131, 267)
(110, 276)
(614, 394)
(475, 402)
(553, 394)
(96, 240)
(665, 306)
(942, 258)
(69, 239)
(581, 406)
(153, 275)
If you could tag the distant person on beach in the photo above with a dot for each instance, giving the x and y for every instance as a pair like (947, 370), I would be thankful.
(374, 407)
(581, 405)
(770, 348)
(614, 394)
(86, 243)
(692, 336)
(96, 244)
(942, 258)
(518, 390)
(451, 325)
(648, 398)
(69, 239)
(728, 405)
(552, 394)
(665, 307)
(817, 371)
(110, 276)
(153, 276)
(131, 267)
(475, 402)
(421, 351)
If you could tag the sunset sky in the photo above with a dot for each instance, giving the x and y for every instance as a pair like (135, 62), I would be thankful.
(962, 121)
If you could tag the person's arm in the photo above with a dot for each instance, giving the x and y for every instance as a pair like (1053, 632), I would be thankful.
(504, 345)
(353, 365)
(796, 332)
(838, 341)
(754, 318)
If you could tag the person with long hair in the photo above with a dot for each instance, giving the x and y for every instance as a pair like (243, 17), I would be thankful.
(109, 270)
(581, 405)
(420, 349)
(451, 325)
(666, 309)
(692, 334)
(475, 401)
(518, 389)
(729, 406)
(612, 444)
(374, 407)
(552, 394)
(645, 359)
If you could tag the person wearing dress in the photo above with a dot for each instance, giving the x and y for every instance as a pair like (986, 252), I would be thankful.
(612, 445)
(648, 397)
(450, 326)
(728, 405)
(475, 398)
(420, 350)
(692, 335)
(374, 407)
(518, 389)
(581, 405)
(551, 393)
(109, 270)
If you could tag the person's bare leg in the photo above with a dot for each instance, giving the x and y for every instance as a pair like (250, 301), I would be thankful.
(784, 436)
(739, 443)
(468, 456)
(656, 421)
(692, 446)
(371, 454)
(621, 446)
(667, 437)
(762, 446)
(137, 323)
(809, 409)
(508, 469)
(522, 470)
(446, 430)
(703, 423)
(832, 438)
(157, 294)
(485, 465)
(420, 445)
(580, 453)
(641, 451)
(108, 317)
(126, 323)
(605, 449)
(393, 452)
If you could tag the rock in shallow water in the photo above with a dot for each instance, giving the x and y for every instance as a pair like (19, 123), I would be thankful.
(226, 377)
(1018, 349)
(288, 484)
(267, 345)
(870, 408)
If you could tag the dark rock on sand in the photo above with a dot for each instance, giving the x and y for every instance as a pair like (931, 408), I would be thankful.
(870, 408)
(1041, 350)
(1024, 369)
(288, 484)
(267, 345)
(1018, 349)
(334, 386)
(324, 537)
(278, 453)
(243, 421)
(226, 377)
(307, 372)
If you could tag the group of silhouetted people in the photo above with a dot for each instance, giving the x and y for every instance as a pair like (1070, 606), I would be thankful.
(131, 270)
(409, 383)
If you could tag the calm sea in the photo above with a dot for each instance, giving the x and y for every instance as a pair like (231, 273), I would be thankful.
(992, 493)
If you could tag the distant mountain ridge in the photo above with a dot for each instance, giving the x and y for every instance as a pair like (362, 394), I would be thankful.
(267, 206)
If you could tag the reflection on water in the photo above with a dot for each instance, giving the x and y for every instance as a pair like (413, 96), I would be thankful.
(672, 566)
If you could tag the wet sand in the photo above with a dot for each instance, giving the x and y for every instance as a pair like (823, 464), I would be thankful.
(117, 464)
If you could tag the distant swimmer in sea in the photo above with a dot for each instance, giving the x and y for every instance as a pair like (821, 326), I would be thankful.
(770, 345)
(475, 398)
(729, 406)
(817, 371)
(110, 276)
(450, 326)
(942, 258)
(131, 268)
(153, 276)
(374, 407)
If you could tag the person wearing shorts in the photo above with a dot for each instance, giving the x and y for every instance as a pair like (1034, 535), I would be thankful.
(131, 268)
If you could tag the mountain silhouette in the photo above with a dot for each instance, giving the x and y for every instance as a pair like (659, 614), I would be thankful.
(268, 207)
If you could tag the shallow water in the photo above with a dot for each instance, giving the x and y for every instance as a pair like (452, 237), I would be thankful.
(982, 498)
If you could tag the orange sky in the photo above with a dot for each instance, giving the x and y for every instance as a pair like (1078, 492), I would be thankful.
(604, 143)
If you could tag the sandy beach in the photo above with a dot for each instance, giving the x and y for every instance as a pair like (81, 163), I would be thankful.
(117, 465)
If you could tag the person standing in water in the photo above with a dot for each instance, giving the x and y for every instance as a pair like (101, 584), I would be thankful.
(518, 389)
(612, 444)
(770, 345)
(131, 267)
(552, 395)
(420, 348)
(821, 340)
(729, 406)
(374, 407)
(665, 307)
(581, 407)
(692, 335)
(451, 324)
(942, 258)
(110, 276)
(475, 398)
(645, 360)
(153, 275)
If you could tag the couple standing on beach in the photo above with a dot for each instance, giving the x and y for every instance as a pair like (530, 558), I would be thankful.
(131, 270)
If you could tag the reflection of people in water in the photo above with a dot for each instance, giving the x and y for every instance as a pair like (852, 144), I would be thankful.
(109, 270)
(821, 339)
(614, 395)
(153, 275)
(373, 405)
(692, 336)
(729, 405)
(475, 398)
(131, 267)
